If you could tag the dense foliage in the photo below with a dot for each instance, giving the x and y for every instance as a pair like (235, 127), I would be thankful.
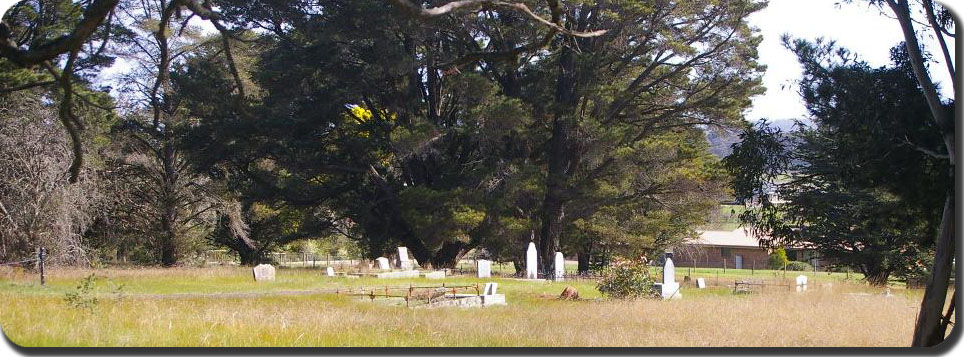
(627, 279)
(864, 186)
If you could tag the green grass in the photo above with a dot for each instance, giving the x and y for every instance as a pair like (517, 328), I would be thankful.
(223, 306)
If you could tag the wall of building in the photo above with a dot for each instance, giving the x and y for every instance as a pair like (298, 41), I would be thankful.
(716, 257)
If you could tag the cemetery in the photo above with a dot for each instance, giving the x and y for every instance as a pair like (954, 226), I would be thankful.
(421, 302)
(478, 173)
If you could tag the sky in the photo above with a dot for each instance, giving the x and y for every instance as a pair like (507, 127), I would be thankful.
(862, 29)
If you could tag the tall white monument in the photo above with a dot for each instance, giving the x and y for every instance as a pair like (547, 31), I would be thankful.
(560, 267)
(670, 288)
(532, 262)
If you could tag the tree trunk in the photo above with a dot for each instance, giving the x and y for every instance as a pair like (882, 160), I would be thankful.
(560, 163)
(448, 256)
(930, 330)
(877, 277)
(169, 203)
(584, 261)
(248, 256)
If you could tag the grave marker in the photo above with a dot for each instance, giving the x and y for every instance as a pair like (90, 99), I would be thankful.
(560, 267)
(403, 261)
(383, 263)
(700, 283)
(670, 288)
(263, 272)
(802, 283)
(532, 262)
(484, 268)
(490, 288)
(330, 271)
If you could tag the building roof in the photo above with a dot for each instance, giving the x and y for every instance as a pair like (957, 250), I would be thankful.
(734, 238)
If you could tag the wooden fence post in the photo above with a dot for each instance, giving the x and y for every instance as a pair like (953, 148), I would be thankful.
(43, 273)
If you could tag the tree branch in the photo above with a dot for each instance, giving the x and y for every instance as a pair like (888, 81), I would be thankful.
(426, 14)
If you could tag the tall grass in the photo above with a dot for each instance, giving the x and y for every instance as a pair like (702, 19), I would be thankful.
(839, 315)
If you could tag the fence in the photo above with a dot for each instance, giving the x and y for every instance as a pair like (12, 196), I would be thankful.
(291, 260)
(40, 262)
(412, 294)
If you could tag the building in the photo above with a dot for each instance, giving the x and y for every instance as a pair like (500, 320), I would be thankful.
(736, 249)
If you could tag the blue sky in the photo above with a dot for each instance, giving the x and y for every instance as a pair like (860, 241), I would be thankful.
(857, 26)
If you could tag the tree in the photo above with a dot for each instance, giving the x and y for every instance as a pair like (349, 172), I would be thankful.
(932, 322)
(778, 259)
(38, 206)
(614, 93)
(862, 186)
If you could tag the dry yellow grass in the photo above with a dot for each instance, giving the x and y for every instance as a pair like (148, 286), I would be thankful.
(827, 316)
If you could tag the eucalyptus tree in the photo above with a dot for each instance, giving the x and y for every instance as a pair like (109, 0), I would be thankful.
(932, 322)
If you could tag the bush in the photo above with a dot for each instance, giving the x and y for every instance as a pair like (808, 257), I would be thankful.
(627, 279)
(799, 266)
(83, 298)
(778, 259)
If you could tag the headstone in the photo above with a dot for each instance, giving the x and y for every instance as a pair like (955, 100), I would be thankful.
(700, 283)
(560, 267)
(263, 272)
(802, 283)
(670, 289)
(484, 268)
(330, 271)
(403, 261)
(383, 263)
(490, 288)
(532, 262)
(435, 275)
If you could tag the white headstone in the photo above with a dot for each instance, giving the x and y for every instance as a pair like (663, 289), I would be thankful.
(560, 267)
(670, 288)
(403, 261)
(263, 272)
(700, 283)
(330, 271)
(435, 275)
(802, 283)
(669, 271)
(532, 262)
(383, 263)
(484, 268)
(490, 288)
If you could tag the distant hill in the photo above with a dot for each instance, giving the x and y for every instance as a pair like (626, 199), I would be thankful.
(722, 140)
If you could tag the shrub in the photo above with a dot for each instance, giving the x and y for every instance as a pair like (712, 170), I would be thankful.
(799, 266)
(627, 279)
(83, 297)
(778, 259)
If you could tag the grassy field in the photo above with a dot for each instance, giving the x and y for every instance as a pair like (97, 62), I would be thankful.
(222, 306)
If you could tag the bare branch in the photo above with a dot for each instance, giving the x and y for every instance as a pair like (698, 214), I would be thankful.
(422, 13)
